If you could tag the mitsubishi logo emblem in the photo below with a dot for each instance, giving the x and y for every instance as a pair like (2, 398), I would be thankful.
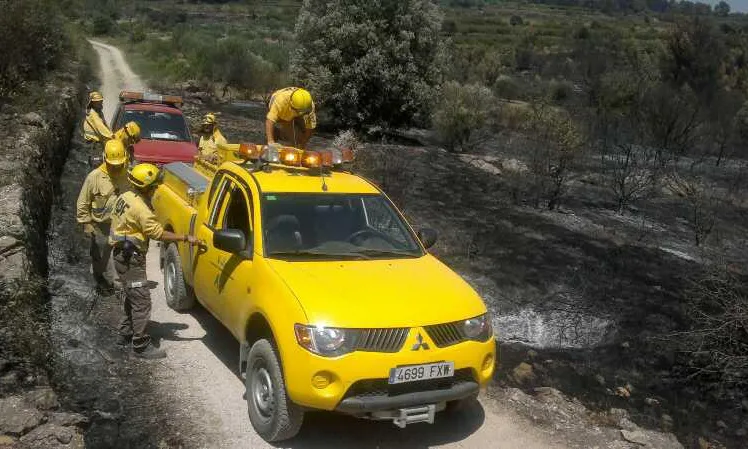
(420, 343)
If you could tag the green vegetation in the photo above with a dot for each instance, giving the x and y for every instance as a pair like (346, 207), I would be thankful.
(33, 40)
(371, 63)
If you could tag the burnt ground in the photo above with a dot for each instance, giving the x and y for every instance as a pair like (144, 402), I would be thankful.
(586, 296)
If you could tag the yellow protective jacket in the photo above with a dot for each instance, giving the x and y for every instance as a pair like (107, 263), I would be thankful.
(97, 195)
(122, 136)
(95, 128)
(133, 220)
(280, 109)
(208, 146)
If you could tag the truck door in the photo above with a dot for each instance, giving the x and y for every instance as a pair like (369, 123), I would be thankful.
(224, 274)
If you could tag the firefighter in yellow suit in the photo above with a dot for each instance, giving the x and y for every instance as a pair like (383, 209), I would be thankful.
(129, 135)
(210, 138)
(133, 225)
(95, 129)
(94, 206)
(291, 117)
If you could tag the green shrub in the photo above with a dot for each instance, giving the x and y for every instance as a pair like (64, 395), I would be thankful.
(102, 25)
(449, 26)
(369, 63)
(138, 34)
(32, 39)
(460, 112)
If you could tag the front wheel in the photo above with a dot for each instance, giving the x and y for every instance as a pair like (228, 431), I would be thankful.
(179, 295)
(273, 415)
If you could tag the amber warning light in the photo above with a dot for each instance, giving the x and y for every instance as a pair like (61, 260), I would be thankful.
(128, 96)
(295, 157)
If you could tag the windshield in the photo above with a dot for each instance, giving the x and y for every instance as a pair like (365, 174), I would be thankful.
(335, 227)
(159, 125)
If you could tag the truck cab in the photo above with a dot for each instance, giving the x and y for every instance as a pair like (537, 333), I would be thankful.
(333, 297)
(165, 135)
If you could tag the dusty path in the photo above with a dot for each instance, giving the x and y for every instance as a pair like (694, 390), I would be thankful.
(200, 380)
(115, 76)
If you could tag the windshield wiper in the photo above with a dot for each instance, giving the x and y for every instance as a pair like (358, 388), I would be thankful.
(319, 254)
(387, 252)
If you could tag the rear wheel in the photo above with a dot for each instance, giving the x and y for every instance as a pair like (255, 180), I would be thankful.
(273, 415)
(179, 295)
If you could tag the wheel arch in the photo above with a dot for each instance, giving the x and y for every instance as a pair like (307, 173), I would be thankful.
(257, 327)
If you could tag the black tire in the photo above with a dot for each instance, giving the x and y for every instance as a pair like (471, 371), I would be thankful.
(179, 296)
(273, 415)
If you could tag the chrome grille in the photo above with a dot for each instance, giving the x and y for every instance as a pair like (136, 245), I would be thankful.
(381, 340)
(446, 334)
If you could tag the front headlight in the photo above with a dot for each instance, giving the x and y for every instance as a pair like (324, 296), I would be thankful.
(477, 328)
(325, 341)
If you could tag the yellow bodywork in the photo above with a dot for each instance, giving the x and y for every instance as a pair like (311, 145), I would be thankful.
(359, 294)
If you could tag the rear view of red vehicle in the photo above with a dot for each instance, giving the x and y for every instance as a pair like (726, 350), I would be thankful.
(165, 135)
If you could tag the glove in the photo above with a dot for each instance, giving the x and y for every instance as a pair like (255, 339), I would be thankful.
(89, 229)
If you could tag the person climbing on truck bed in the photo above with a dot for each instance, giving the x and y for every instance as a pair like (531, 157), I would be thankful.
(133, 225)
(291, 117)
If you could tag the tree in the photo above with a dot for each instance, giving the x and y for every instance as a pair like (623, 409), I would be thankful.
(694, 58)
(516, 20)
(32, 38)
(460, 112)
(722, 9)
(369, 62)
(554, 143)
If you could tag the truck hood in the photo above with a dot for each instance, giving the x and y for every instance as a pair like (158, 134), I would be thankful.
(379, 293)
(164, 151)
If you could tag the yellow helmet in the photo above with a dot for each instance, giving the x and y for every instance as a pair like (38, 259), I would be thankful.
(114, 152)
(143, 175)
(301, 101)
(132, 129)
(209, 119)
(95, 96)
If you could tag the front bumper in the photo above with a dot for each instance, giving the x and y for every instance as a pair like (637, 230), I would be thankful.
(357, 383)
(366, 403)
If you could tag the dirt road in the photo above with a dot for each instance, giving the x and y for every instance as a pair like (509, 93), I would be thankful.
(200, 374)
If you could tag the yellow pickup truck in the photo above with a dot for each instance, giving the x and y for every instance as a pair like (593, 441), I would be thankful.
(332, 296)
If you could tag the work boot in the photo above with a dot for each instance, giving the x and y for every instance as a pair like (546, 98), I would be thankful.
(124, 340)
(150, 352)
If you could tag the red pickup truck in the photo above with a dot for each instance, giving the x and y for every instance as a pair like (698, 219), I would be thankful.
(165, 136)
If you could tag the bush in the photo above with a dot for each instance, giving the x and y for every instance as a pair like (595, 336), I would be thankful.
(369, 63)
(449, 27)
(138, 34)
(461, 111)
(555, 142)
(231, 62)
(102, 25)
(516, 20)
(32, 40)
(716, 346)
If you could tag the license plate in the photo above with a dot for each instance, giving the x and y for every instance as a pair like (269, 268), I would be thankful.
(414, 373)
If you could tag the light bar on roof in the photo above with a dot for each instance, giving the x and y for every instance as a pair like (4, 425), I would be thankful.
(130, 96)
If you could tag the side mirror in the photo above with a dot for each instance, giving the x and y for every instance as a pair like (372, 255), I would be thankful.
(427, 236)
(232, 241)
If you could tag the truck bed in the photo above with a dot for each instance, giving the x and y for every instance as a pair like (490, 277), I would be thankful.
(185, 181)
